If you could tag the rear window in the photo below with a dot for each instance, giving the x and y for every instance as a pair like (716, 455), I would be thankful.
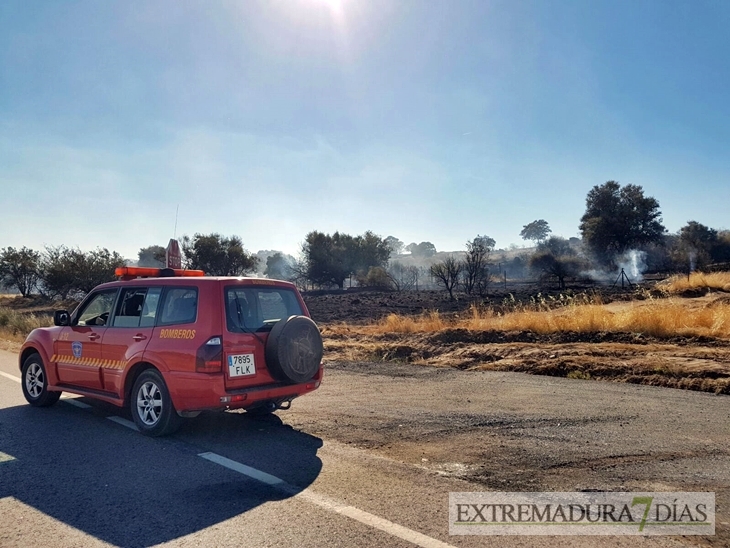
(258, 308)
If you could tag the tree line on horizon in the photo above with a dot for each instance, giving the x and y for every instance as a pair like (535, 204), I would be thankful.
(618, 220)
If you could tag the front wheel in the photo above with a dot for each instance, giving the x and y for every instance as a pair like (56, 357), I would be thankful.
(151, 406)
(35, 383)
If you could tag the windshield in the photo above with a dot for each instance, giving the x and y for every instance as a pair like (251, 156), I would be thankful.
(258, 309)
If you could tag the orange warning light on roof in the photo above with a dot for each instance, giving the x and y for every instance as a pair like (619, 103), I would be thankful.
(132, 272)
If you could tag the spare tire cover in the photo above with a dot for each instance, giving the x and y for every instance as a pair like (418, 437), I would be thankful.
(294, 349)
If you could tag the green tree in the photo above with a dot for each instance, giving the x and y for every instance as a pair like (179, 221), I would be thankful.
(618, 219)
(696, 244)
(475, 269)
(395, 245)
(57, 274)
(559, 247)
(369, 250)
(377, 278)
(19, 269)
(279, 267)
(331, 259)
(327, 259)
(721, 250)
(424, 249)
(536, 231)
(94, 267)
(447, 273)
(561, 267)
(217, 255)
(68, 272)
(152, 256)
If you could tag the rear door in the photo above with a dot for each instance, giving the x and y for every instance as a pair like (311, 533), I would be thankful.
(251, 311)
(178, 334)
(128, 334)
(78, 348)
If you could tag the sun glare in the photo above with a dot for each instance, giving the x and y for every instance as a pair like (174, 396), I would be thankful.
(334, 5)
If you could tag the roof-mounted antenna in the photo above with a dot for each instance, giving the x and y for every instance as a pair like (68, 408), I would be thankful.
(173, 257)
(174, 232)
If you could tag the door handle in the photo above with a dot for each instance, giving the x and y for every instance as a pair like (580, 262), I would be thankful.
(139, 337)
(94, 336)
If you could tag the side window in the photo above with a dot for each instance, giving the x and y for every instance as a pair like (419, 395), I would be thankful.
(180, 305)
(137, 307)
(97, 309)
(149, 310)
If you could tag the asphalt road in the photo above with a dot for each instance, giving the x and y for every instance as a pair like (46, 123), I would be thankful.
(76, 474)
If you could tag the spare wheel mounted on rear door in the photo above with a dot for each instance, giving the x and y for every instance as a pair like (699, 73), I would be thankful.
(294, 349)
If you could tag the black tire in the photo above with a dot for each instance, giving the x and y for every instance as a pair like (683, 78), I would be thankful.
(151, 406)
(35, 382)
(294, 350)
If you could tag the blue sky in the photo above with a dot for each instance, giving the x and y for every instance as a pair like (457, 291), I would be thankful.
(425, 120)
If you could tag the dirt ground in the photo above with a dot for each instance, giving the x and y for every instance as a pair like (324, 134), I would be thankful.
(358, 307)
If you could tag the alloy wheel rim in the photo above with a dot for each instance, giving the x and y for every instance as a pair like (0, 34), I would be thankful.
(34, 380)
(149, 403)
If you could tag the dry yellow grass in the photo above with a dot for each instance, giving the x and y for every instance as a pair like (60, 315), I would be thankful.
(661, 318)
(427, 322)
(719, 281)
(16, 325)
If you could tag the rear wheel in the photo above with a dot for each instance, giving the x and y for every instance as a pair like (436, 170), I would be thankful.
(151, 406)
(35, 383)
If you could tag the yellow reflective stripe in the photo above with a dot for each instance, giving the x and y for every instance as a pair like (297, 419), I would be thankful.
(91, 362)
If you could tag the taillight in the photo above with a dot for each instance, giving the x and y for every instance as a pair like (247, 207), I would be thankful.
(210, 356)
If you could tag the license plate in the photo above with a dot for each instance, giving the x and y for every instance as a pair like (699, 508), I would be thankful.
(241, 365)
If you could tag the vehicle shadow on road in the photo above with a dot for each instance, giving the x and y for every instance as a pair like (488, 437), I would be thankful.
(130, 490)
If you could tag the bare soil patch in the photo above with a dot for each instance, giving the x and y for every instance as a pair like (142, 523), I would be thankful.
(363, 306)
(688, 363)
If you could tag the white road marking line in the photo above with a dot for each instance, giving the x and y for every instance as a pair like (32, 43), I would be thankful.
(4, 457)
(73, 401)
(258, 475)
(366, 518)
(409, 535)
(67, 399)
(124, 422)
(9, 376)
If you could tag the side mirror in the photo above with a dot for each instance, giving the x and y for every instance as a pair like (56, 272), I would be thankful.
(61, 318)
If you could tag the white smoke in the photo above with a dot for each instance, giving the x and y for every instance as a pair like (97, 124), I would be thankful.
(692, 260)
(633, 264)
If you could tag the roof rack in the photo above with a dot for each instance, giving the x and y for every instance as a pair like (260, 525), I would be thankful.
(126, 273)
